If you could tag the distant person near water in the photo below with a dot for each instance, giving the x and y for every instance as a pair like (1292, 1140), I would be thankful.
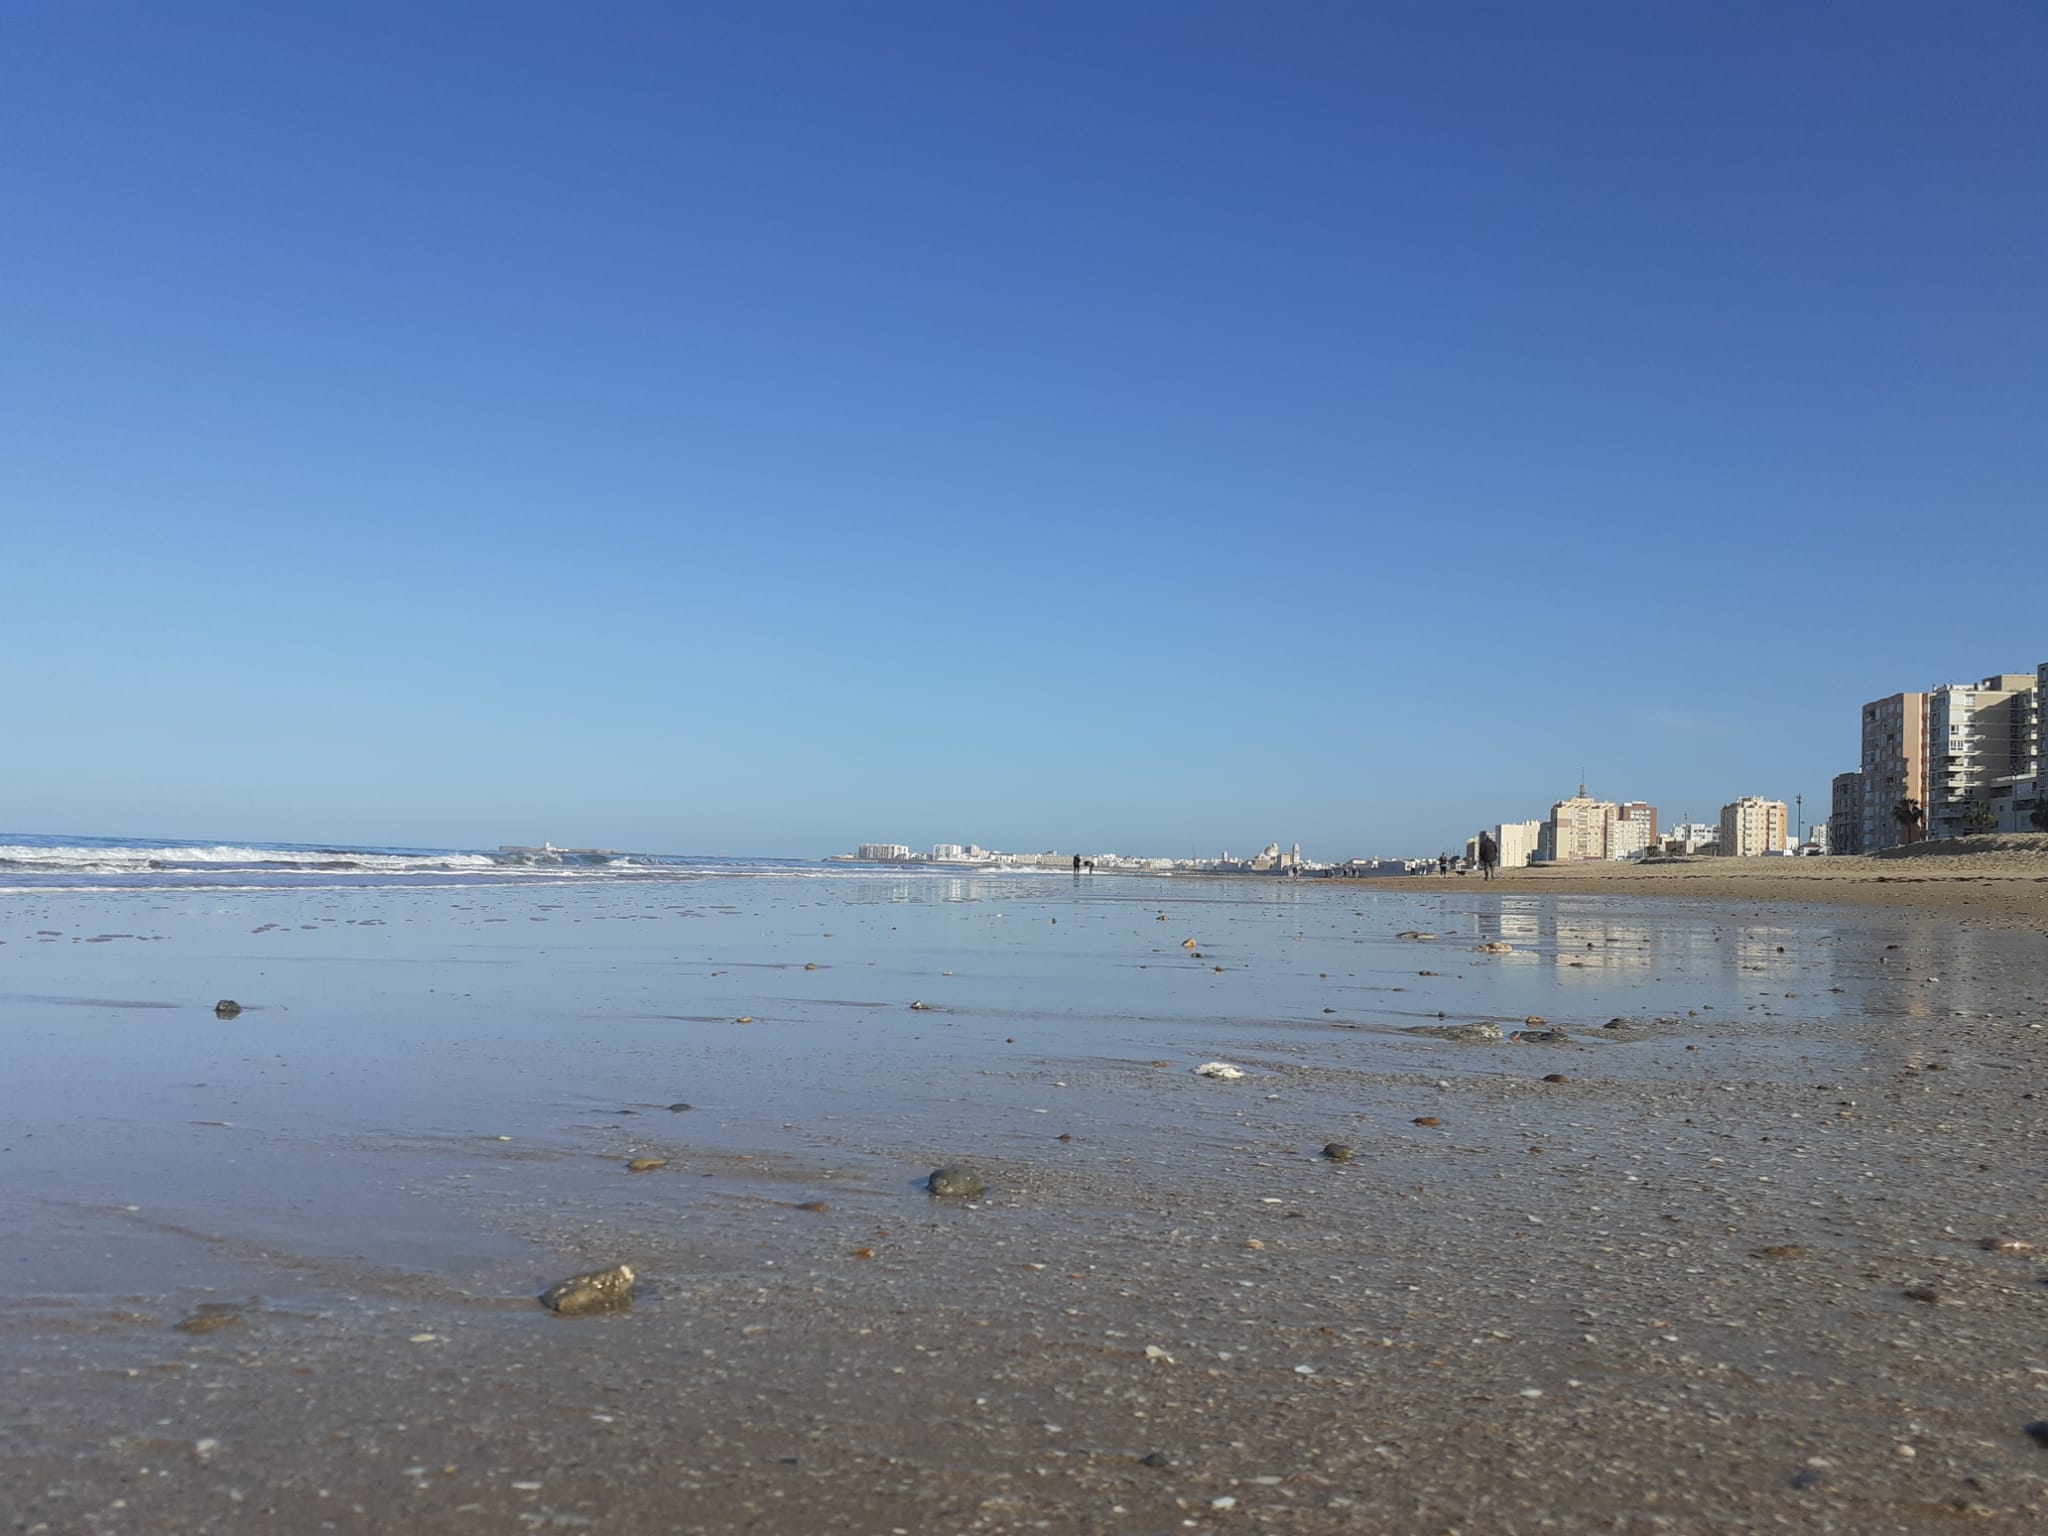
(1443, 863)
(1489, 855)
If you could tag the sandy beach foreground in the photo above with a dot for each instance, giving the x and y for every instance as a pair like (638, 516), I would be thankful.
(1705, 1252)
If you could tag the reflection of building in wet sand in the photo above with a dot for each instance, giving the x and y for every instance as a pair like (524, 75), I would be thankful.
(1608, 944)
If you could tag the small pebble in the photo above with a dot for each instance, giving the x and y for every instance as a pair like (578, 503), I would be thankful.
(646, 1164)
(1338, 1152)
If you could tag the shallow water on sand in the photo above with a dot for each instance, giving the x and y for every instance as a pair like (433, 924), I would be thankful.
(398, 1050)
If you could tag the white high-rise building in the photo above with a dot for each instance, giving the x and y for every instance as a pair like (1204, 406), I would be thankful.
(1633, 832)
(1518, 842)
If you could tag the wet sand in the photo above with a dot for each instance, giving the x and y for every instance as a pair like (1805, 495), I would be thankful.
(1725, 1275)
(2001, 879)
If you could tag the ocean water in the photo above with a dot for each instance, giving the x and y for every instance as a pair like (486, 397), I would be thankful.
(31, 862)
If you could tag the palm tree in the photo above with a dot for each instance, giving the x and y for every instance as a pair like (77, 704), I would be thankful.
(1910, 814)
(1980, 818)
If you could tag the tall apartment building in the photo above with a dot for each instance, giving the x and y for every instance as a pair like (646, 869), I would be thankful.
(1845, 814)
(2034, 797)
(1633, 832)
(885, 853)
(1518, 841)
(1893, 766)
(1753, 826)
(1579, 828)
(1981, 743)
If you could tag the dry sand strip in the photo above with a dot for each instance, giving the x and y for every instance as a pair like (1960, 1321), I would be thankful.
(1991, 879)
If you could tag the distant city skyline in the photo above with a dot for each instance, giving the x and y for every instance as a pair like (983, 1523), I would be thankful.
(740, 429)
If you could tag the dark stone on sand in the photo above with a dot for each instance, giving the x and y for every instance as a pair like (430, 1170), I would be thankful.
(646, 1164)
(677, 1109)
(1921, 1293)
(2039, 1430)
(1779, 1251)
(956, 1183)
(598, 1290)
(1160, 1459)
(226, 1008)
(1555, 1077)
(211, 1317)
(1427, 1120)
(1338, 1152)
(921, 1005)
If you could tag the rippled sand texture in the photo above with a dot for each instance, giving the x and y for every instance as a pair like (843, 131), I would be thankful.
(1718, 1267)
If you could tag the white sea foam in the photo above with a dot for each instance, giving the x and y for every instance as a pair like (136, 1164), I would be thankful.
(39, 863)
(118, 859)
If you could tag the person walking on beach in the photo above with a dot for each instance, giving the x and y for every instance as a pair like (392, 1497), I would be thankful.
(1443, 863)
(1489, 855)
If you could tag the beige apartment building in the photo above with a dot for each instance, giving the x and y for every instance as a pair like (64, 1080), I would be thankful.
(1981, 740)
(1579, 828)
(1753, 826)
(1633, 832)
(1893, 767)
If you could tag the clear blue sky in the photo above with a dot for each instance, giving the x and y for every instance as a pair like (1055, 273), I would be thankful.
(762, 427)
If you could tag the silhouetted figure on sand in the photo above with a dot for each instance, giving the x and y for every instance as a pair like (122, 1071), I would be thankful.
(1489, 855)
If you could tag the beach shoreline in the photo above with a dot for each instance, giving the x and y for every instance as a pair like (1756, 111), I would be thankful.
(1717, 1266)
(2005, 881)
